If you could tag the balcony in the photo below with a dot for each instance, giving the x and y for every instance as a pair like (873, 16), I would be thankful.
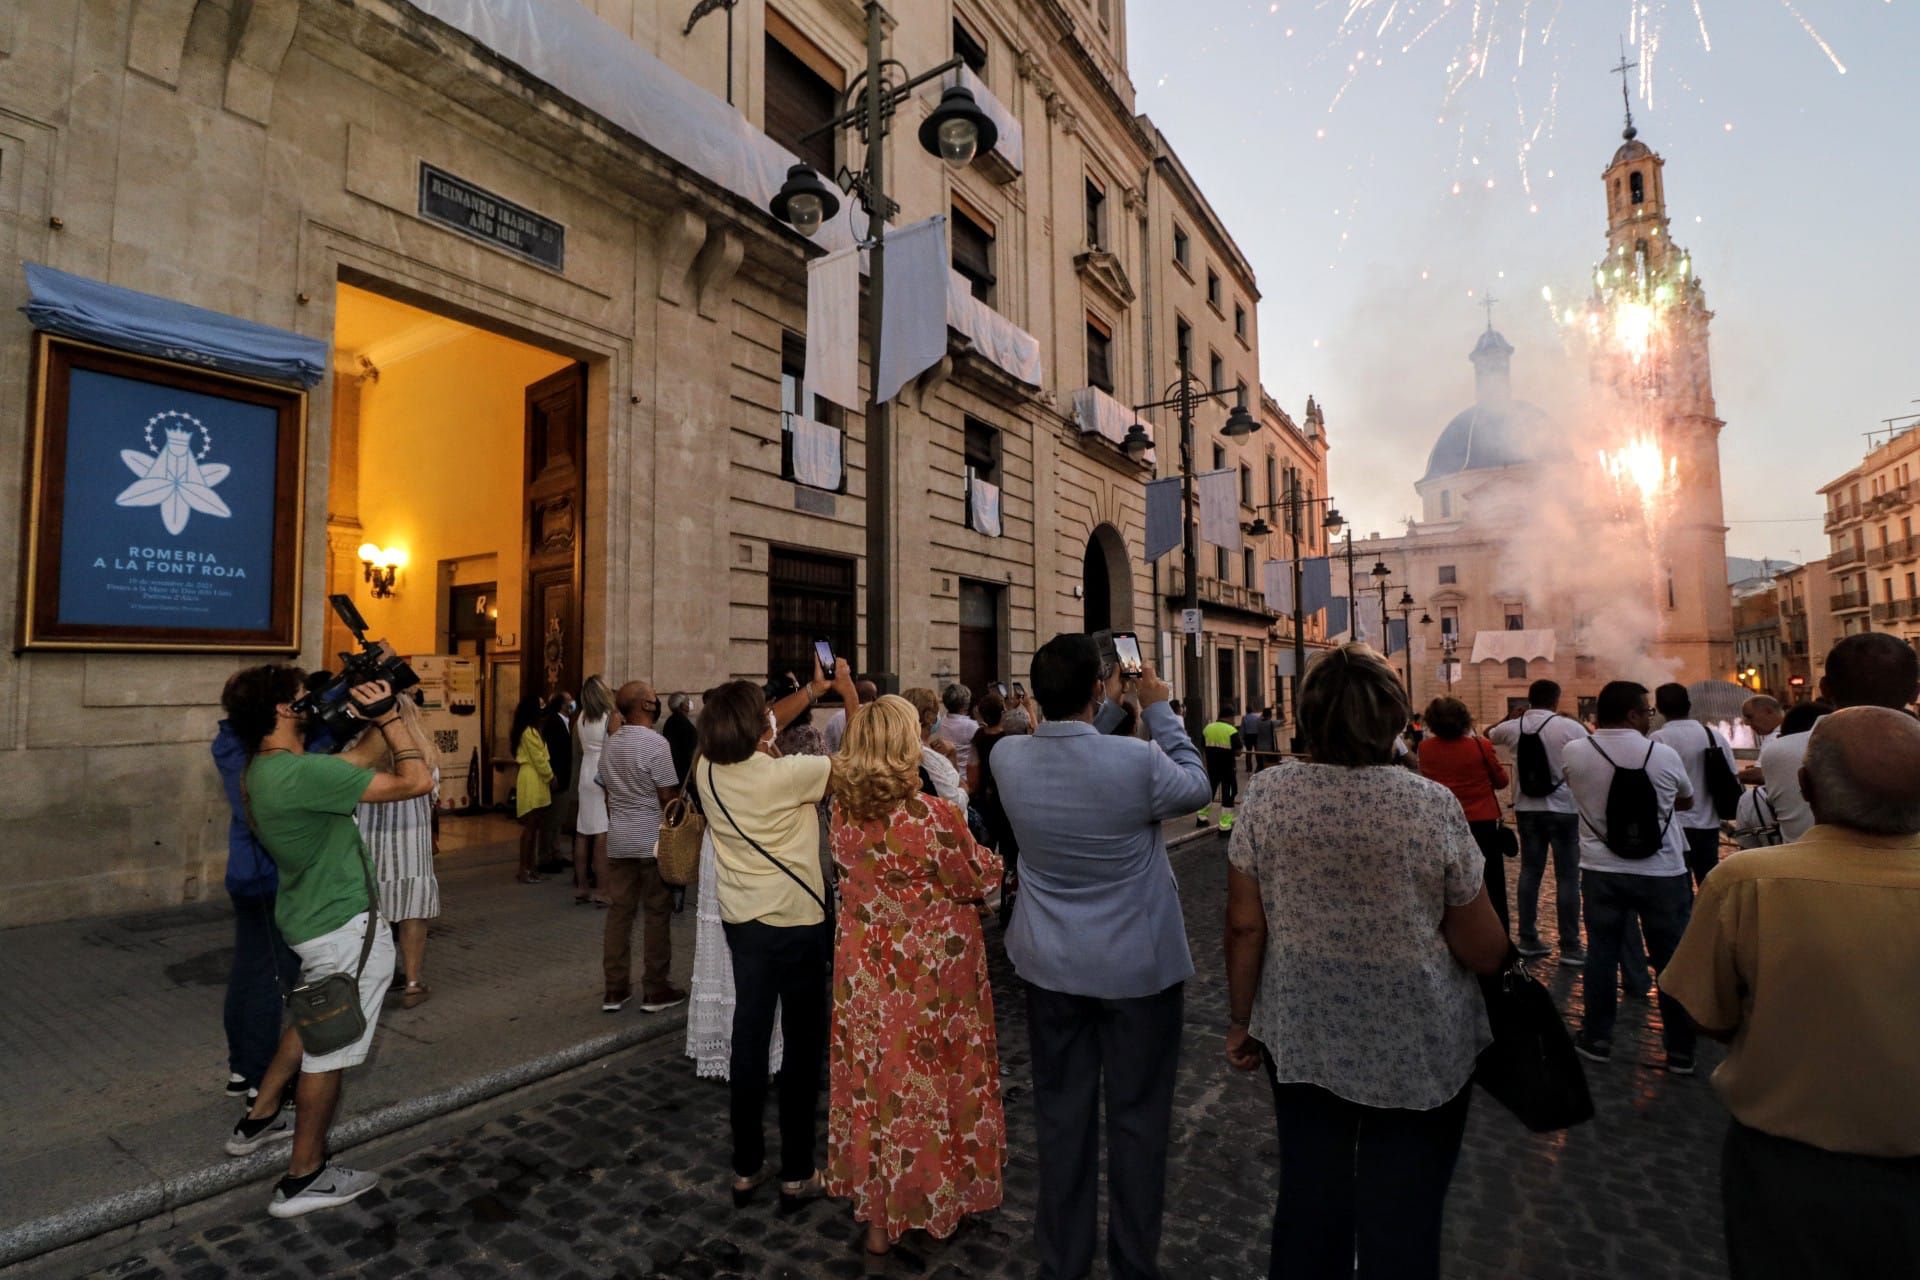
(1227, 596)
(1848, 555)
(1886, 611)
(1884, 554)
(1841, 512)
(1848, 601)
(1794, 607)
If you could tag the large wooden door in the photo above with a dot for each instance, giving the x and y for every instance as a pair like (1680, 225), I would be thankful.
(550, 650)
(979, 634)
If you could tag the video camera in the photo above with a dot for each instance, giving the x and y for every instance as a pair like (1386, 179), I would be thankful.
(326, 702)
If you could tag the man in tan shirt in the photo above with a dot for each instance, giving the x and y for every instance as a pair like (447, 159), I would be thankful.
(1805, 958)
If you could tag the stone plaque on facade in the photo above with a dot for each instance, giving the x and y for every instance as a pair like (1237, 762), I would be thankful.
(459, 204)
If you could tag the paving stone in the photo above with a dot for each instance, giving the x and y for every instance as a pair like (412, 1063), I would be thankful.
(627, 1176)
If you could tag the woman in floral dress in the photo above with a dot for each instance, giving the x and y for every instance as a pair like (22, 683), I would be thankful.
(915, 1132)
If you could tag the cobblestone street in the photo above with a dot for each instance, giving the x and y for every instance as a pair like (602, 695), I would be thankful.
(625, 1176)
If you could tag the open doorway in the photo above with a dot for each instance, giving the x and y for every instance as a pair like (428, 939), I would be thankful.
(458, 462)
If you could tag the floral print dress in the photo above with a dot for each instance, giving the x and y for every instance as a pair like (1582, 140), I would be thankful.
(916, 1136)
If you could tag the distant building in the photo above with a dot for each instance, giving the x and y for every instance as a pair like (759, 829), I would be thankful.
(1806, 626)
(1874, 554)
(1514, 575)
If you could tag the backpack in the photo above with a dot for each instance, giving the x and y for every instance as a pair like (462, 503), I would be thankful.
(1531, 764)
(1723, 785)
(1635, 829)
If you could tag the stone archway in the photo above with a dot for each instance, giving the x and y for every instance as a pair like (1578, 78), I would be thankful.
(1106, 580)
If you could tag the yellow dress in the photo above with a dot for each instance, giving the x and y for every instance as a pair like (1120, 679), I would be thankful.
(532, 790)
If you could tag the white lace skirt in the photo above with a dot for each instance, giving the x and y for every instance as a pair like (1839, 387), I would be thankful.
(710, 1012)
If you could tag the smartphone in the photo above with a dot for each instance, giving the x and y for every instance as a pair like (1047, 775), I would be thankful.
(823, 653)
(1126, 649)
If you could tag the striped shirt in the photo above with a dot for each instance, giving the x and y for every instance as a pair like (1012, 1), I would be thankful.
(635, 766)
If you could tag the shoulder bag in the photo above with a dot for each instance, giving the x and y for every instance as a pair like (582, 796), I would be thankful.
(682, 827)
(1530, 1068)
(326, 1012)
(713, 794)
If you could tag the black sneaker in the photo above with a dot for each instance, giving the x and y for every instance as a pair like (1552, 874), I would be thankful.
(237, 1086)
(1593, 1050)
(1679, 1064)
(249, 1136)
(1533, 949)
(1573, 957)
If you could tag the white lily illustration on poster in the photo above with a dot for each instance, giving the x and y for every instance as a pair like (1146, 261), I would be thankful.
(175, 478)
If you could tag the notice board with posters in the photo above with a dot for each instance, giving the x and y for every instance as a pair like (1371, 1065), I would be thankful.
(163, 505)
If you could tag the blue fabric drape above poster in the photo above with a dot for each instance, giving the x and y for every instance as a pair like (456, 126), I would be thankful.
(127, 320)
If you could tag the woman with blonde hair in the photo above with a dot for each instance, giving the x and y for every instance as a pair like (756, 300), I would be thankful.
(916, 1135)
(596, 720)
(400, 840)
(1356, 920)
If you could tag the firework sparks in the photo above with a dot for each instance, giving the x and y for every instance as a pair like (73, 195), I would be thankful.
(1643, 474)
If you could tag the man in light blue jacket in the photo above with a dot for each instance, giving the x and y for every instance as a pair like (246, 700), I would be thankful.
(1098, 936)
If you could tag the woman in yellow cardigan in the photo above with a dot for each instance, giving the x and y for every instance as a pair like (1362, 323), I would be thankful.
(533, 789)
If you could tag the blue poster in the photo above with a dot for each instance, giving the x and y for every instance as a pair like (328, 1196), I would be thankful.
(168, 514)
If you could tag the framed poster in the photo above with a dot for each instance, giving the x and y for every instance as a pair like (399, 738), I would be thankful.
(163, 506)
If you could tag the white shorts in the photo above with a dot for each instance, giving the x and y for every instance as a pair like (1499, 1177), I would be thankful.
(339, 952)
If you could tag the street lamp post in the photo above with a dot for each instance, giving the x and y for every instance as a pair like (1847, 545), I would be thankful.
(956, 131)
(1295, 507)
(1184, 395)
(1380, 573)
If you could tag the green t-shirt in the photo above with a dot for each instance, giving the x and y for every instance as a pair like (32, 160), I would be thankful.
(1219, 734)
(303, 810)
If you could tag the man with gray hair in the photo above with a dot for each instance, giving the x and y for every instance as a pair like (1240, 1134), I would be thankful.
(1872, 669)
(1805, 958)
(956, 726)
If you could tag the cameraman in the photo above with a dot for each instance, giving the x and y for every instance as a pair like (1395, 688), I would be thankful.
(301, 806)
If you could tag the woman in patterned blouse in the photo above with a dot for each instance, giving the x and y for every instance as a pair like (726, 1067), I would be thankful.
(1356, 919)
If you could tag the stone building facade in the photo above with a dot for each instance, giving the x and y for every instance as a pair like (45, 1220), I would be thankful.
(1873, 554)
(266, 160)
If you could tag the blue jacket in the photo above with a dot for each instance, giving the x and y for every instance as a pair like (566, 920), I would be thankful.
(1098, 912)
(250, 872)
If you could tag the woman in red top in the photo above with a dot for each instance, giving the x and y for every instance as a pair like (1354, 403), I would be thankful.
(1464, 763)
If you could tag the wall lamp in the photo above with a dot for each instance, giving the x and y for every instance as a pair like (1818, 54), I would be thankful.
(381, 565)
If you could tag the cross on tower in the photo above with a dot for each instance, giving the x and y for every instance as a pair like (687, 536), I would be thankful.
(1626, 101)
(1487, 301)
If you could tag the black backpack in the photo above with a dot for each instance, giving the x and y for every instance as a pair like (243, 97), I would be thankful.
(1635, 829)
(1531, 762)
(1723, 785)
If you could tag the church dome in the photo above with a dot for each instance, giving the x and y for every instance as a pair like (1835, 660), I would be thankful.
(1486, 436)
(1631, 149)
(1497, 430)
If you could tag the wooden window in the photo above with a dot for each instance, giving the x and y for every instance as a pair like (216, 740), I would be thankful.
(983, 450)
(1182, 246)
(1096, 215)
(1516, 668)
(1246, 485)
(1273, 479)
(1183, 343)
(969, 48)
(796, 401)
(1216, 371)
(1213, 288)
(1239, 322)
(1240, 394)
(1449, 575)
(1099, 356)
(799, 98)
(1516, 618)
(1221, 563)
(1219, 456)
(1247, 575)
(1449, 622)
(809, 595)
(973, 254)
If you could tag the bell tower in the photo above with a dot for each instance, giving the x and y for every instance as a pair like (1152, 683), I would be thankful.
(1653, 373)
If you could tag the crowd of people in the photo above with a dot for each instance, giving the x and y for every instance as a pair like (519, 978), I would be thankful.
(846, 869)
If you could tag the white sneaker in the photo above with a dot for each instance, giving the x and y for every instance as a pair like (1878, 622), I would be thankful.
(335, 1186)
(249, 1136)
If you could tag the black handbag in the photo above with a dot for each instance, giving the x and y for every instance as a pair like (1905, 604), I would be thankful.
(1531, 1068)
(1505, 842)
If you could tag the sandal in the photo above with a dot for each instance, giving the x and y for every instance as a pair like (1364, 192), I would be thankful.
(795, 1195)
(603, 903)
(743, 1188)
(526, 877)
(415, 993)
(580, 899)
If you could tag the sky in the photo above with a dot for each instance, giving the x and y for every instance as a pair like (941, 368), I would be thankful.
(1333, 157)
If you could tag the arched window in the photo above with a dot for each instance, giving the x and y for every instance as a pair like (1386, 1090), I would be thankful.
(1446, 503)
(1637, 187)
(1516, 668)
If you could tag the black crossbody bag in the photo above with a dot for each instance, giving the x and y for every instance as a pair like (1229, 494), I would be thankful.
(713, 793)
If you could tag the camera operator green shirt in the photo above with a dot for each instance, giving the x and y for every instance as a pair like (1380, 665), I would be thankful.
(303, 812)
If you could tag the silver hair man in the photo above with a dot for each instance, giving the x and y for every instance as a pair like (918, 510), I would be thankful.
(680, 704)
(1862, 771)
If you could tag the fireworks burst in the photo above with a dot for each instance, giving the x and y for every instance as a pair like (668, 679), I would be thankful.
(1644, 475)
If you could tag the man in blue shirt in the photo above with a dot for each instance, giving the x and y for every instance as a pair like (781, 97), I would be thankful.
(1098, 936)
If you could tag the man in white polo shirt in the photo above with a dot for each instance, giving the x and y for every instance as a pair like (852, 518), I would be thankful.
(1691, 741)
(1652, 886)
(1547, 821)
